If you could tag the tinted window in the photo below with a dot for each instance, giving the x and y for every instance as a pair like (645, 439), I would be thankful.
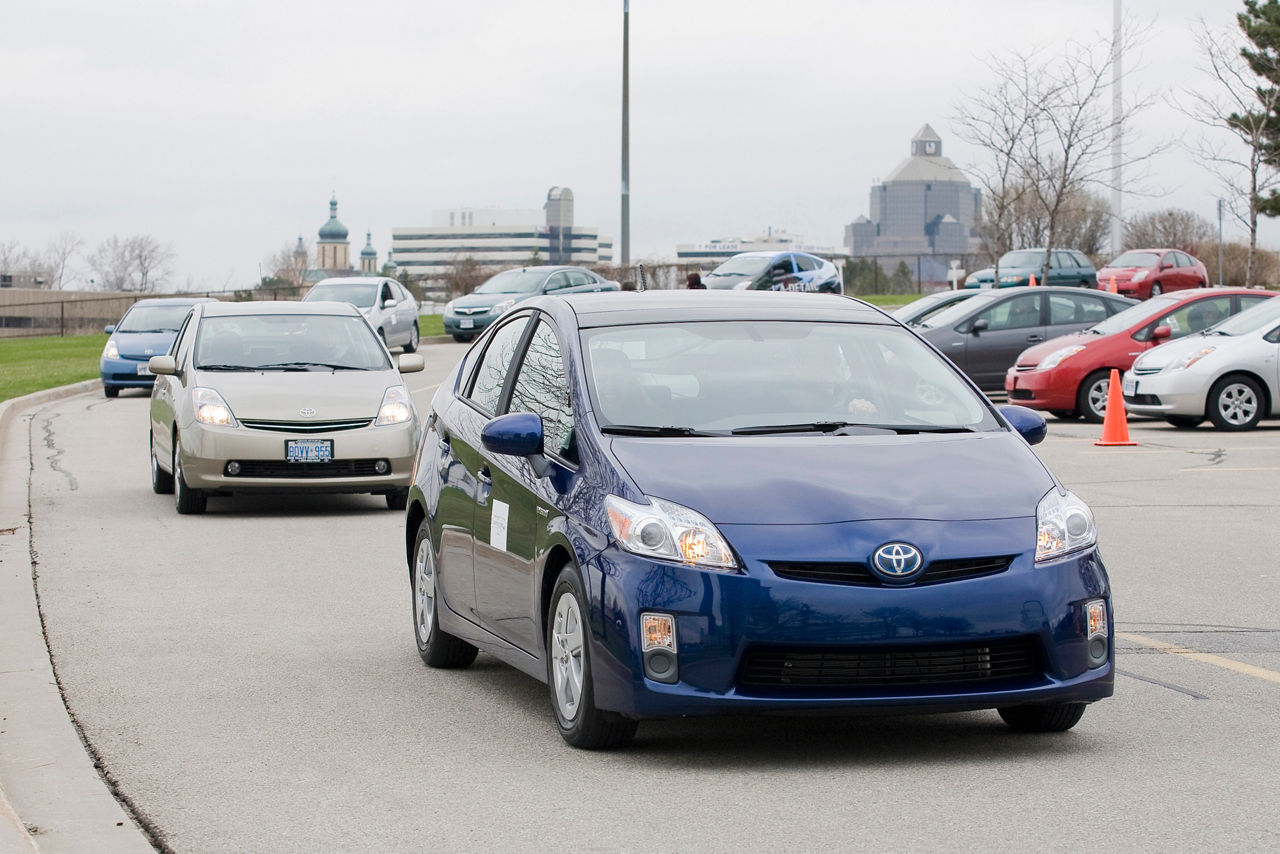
(1018, 312)
(805, 263)
(154, 318)
(1196, 316)
(542, 387)
(492, 372)
(1251, 301)
(1062, 259)
(1073, 308)
(1081, 260)
(558, 281)
(580, 277)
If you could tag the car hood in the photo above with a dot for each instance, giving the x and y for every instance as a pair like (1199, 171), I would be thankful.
(1035, 355)
(143, 345)
(792, 480)
(487, 300)
(725, 282)
(1170, 351)
(278, 395)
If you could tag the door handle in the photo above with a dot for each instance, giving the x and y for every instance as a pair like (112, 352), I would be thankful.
(1034, 338)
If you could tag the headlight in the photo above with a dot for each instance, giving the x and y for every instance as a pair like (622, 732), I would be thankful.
(448, 307)
(1064, 524)
(396, 408)
(110, 351)
(1139, 276)
(1189, 359)
(210, 408)
(1004, 280)
(1057, 357)
(500, 307)
(667, 530)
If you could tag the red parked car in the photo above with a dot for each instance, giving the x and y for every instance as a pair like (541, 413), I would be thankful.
(1069, 375)
(1144, 273)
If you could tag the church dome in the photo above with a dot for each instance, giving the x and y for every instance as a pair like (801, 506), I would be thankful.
(333, 231)
(368, 251)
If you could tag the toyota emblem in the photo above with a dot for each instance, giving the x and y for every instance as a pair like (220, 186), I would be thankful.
(306, 412)
(897, 561)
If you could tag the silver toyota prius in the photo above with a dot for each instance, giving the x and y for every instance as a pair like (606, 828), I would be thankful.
(280, 397)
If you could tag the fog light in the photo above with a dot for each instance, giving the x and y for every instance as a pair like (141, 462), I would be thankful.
(233, 468)
(1096, 622)
(381, 467)
(658, 644)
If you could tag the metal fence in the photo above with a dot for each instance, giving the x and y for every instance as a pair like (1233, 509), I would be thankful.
(907, 274)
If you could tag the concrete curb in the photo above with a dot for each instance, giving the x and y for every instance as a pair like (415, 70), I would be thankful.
(52, 798)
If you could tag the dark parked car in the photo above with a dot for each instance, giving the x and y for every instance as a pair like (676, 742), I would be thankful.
(1144, 273)
(1067, 267)
(468, 316)
(660, 508)
(147, 329)
(984, 335)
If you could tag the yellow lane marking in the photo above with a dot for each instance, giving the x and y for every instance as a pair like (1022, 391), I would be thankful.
(1203, 657)
(1229, 468)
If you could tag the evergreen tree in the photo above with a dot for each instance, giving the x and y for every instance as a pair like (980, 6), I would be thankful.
(1260, 23)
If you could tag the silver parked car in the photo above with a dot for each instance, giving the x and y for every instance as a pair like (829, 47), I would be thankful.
(280, 397)
(390, 309)
(1229, 373)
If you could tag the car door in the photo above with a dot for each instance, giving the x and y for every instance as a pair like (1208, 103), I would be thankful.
(405, 311)
(164, 394)
(806, 271)
(1011, 325)
(470, 520)
(507, 588)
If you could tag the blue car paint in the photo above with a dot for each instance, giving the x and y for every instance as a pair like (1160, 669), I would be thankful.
(135, 348)
(722, 614)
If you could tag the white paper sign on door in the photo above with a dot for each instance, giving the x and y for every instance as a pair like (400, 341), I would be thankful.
(498, 526)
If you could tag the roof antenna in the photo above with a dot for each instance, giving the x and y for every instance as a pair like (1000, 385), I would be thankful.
(643, 284)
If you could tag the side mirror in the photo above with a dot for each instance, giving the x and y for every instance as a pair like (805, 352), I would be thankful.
(410, 363)
(388, 303)
(109, 328)
(1029, 423)
(1160, 333)
(979, 325)
(516, 434)
(165, 365)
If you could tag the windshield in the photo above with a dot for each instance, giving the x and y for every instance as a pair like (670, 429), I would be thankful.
(1022, 258)
(361, 296)
(750, 265)
(1135, 314)
(957, 310)
(154, 318)
(1136, 259)
(288, 342)
(513, 282)
(762, 377)
(1249, 320)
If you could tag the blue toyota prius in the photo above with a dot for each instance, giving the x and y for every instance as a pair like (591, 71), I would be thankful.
(698, 502)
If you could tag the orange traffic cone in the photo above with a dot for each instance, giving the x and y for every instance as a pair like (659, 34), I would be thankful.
(1114, 289)
(1115, 424)
(1033, 281)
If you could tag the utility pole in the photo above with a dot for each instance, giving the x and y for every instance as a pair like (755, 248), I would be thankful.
(1219, 242)
(1117, 117)
(625, 240)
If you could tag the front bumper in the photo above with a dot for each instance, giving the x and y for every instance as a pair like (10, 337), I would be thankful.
(207, 449)
(1180, 393)
(1040, 389)
(123, 373)
(726, 624)
(454, 323)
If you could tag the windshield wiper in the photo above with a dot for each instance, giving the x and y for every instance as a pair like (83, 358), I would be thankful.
(648, 430)
(145, 331)
(306, 366)
(216, 367)
(835, 426)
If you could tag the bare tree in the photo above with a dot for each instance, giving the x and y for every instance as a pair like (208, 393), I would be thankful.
(467, 275)
(138, 263)
(112, 264)
(1237, 112)
(16, 258)
(57, 257)
(287, 264)
(1083, 222)
(1171, 227)
(152, 262)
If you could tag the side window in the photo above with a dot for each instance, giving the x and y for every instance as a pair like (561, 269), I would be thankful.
(386, 292)
(557, 281)
(1076, 308)
(781, 267)
(1272, 337)
(1020, 312)
(182, 339)
(1081, 260)
(1062, 259)
(805, 263)
(486, 390)
(1248, 302)
(578, 278)
(1199, 315)
(542, 387)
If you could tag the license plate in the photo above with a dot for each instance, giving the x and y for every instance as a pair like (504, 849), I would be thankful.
(308, 450)
(144, 370)
(466, 323)
(1129, 386)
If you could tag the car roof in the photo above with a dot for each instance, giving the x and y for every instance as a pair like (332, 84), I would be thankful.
(173, 300)
(231, 309)
(353, 280)
(675, 306)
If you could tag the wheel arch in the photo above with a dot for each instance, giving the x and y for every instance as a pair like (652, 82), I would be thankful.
(412, 521)
(558, 557)
(1240, 372)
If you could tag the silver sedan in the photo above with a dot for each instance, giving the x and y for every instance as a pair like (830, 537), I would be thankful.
(1229, 373)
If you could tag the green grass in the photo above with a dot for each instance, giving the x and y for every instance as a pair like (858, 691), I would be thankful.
(430, 324)
(34, 364)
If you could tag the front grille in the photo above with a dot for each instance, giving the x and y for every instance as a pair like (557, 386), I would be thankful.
(306, 426)
(1145, 372)
(1020, 394)
(869, 667)
(484, 309)
(858, 575)
(1142, 399)
(282, 469)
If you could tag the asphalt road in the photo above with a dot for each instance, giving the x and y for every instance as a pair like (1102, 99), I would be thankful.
(248, 679)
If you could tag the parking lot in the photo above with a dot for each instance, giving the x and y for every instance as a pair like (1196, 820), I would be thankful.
(249, 682)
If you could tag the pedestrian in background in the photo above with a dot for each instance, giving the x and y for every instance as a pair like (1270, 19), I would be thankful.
(694, 282)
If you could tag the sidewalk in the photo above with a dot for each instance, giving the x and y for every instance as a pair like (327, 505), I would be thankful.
(52, 798)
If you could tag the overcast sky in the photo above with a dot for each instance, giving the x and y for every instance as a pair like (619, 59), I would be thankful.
(221, 128)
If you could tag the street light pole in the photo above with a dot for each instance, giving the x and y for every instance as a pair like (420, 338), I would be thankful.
(1117, 117)
(625, 239)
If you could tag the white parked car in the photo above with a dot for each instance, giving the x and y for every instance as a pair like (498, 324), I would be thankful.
(390, 309)
(1229, 373)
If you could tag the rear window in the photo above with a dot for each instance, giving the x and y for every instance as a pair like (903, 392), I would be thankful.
(361, 296)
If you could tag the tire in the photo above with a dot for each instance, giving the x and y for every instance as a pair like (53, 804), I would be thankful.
(1236, 403)
(188, 501)
(1065, 414)
(437, 647)
(161, 480)
(1057, 717)
(397, 500)
(1091, 397)
(1156, 289)
(462, 339)
(412, 346)
(111, 391)
(1184, 422)
(568, 659)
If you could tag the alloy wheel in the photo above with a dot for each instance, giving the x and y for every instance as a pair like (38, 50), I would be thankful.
(566, 655)
(424, 589)
(1237, 404)
(1097, 396)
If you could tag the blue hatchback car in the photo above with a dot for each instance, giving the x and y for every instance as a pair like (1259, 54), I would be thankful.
(147, 329)
(698, 502)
